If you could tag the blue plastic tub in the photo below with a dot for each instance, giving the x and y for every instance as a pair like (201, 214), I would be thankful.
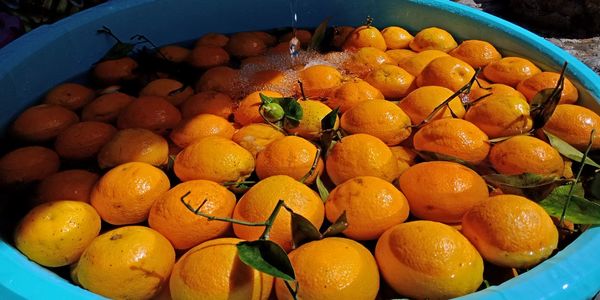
(52, 54)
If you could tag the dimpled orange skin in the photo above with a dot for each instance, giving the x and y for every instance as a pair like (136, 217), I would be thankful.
(404, 156)
(366, 59)
(404, 256)
(247, 111)
(446, 71)
(365, 36)
(548, 80)
(313, 111)
(351, 93)
(204, 57)
(55, 234)
(396, 37)
(420, 103)
(433, 38)
(27, 164)
(574, 124)
(130, 262)
(125, 194)
(213, 270)
(70, 95)
(149, 112)
(453, 137)
(501, 115)
(526, 154)
(510, 70)
(361, 155)
(257, 204)
(134, 144)
(83, 140)
(182, 227)
(209, 102)
(493, 89)
(319, 80)
(372, 205)
(106, 108)
(246, 44)
(393, 81)
(42, 122)
(220, 79)
(71, 184)
(511, 231)
(214, 158)
(442, 191)
(255, 137)
(332, 268)
(416, 63)
(170, 89)
(476, 53)
(197, 127)
(380, 118)
(115, 71)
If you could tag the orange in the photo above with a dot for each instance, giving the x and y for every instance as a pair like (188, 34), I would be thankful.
(433, 38)
(404, 156)
(428, 260)
(174, 53)
(213, 39)
(365, 36)
(332, 268)
(548, 80)
(501, 115)
(446, 71)
(219, 79)
(83, 140)
(255, 137)
(319, 80)
(267, 79)
(246, 44)
(283, 48)
(213, 270)
(134, 144)
(400, 55)
(106, 108)
(247, 111)
(197, 127)
(396, 37)
(380, 118)
(453, 137)
(70, 95)
(182, 227)
(442, 191)
(204, 57)
(365, 60)
(304, 36)
(476, 53)
(214, 158)
(510, 70)
(510, 231)
(27, 164)
(372, 205)
(209, 102)
(340, 34)
(115, 71)
(135, 255)
(493, 89)
(420, 103)
(393, 81)
(313, 112)
(292, 156)
(526, 154)
(170, 89)
(574, 124)
(257, 204)
(125, 194)
(55, 234)
(352, 92)
(416, 63)
(42, 122)
(71, 184)
(267, 38)
(361, 155)
(149, 112)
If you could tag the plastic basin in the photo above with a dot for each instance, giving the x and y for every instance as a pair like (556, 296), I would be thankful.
(52, 54)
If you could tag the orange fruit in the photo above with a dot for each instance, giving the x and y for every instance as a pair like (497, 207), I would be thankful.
(526, 154)
(400, 55)
(292, 156)
(209, 102)
(319, 80)
(428, 260)
(267, 38)
(55, 234)
(332, 268)
(396, 37)
(246, 44)
(501, 115)
(135, 255)
(182, 227)
(174, 53)
(340, 34)
(204, 57)
(27, 164)
(149, 112)
(199, 126)
(352, 92)
(42, 122)
(361, 155)
(416, 63)
(446, 71)
(125, 194)
(214, 158)
(380, 118)
(267, 79)
(219, 79)
(247, 111)
(433, 38)
(442, 191)
(510, 70)
(393, 81)
(70, 95)
(83, 140)
(313, 112)
(574, 124)
(405, 157)
(213, 39)
(304, 36)
(453, 137)
(134, 144)
(420, 103)
(115, 71)
(493, 89)
(259, 201)
(476, 53)
(170, 89)
(511, 231)
(365, 36)
(548, 80)
(372, 205)
(71, 184)
(365, 60)
(255, 137)
(213, 270)
(106, 108)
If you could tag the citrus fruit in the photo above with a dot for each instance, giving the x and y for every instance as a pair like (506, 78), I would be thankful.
(574, 124)
(255, 137)
(393, 81)
(106, 108)
(205, 56)
(199, 126)
(83, 140)
(526, 154)
(351, 93)
(446, 71)
(396, 37)
(416, 63)
(400, 55)
(172, 90)
(420, 104)
(246, 44)
(174, 53)
(209, 102)
(548, 80)
(501, 115)
(313, 112)
(42, 122)
(70, 95)
(319, 80)
(134, 144)
(510, 70)
(27, 164)
(292, 156)
(73, 184)
(219, 79)
(213, 39)
(115, 71)
(365, 36)
(247, 111)
(476, 53)
(149, 112)
(433, 38)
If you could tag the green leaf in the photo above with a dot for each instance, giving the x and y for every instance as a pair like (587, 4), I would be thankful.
(580, 210)
(594, 187)
(323, 192)
(266, 99)
(328, 122)
(337, 227)
(268, 257)
(532, 186)
(303, 231)
(293, 112)
(569, 151)
(545, 101)
(119, 50)
(319, 35)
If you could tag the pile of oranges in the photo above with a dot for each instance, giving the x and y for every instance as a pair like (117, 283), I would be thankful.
(110, 168)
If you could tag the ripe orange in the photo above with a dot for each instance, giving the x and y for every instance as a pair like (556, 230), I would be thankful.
(219, 79)
(27, 164)
(526, 154)
(476, 53)
(174, 53)
(255, 137)
(319, 80)
(352, 92)
(365, 36)
(149, 112)
(420, 103)
(246, 44)
(405, 157)
(70, 95)
(396, 37)
(365, 60)
(340, 34)
(416, 63)
(501, 115)
(134, 144)
(548, 80)
(304, 36)
(204, 56)
(433, 38)
(209, 102)
(574, 124)
(83, 140)
(493, 89)
(199, 126)
(170, 89)
(400, 55)
(106, 108)
(213, 39)
(267, 79)
(42, 122)
(446, 71)
(510, 70)
(313, 111)
(247, 111)
(393, 81)
(71, 184)
(115, 71)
